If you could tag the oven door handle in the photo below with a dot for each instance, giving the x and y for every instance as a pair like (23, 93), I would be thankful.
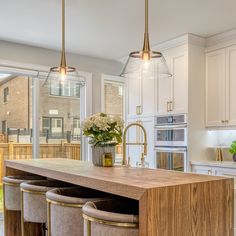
(170, 149)
(170, 127)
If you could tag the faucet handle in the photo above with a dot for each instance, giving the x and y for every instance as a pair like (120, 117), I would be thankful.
(142, 163)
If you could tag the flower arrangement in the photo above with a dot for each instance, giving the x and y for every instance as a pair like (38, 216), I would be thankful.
(103, 129)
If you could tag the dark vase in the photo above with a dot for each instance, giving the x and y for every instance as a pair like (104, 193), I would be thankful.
(234, 157)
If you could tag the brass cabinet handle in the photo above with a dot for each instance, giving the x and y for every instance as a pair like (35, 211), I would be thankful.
(226, 121)
(167, 106)
(171, 105)
(222, 121)
(138, 110)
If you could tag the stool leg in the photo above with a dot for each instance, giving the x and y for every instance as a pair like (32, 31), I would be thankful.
(4, 209)
(22, 214)
(88, 223)
(48, 219)
(44, 229)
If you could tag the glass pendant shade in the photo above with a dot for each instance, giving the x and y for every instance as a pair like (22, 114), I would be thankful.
(150, 63)
(155, 67)
(63, 74)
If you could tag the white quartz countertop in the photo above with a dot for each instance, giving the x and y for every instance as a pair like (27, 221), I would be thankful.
(227, 164)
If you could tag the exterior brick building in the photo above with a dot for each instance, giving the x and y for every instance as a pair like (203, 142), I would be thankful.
(58, 114)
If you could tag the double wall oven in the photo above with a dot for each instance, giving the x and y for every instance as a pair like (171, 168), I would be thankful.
(171, 142)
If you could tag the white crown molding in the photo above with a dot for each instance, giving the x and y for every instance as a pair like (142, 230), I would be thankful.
(221, 40)
(175, 42)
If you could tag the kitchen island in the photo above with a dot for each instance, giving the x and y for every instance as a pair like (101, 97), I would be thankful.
(170, 203)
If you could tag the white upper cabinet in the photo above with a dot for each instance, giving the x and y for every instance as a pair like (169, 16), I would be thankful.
(231, 86)
(215, 88)
(141, 96)
(173, 91)
(148, 90)
(133, 96)
(179, 69)
(220, 87)
(164, 95)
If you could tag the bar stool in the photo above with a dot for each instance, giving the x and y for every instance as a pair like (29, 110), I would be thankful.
(33, 201)
(111, 217)
(11, 191)
(65, 210)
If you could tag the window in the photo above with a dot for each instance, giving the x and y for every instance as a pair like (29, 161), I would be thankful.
(53, 125)
(4, 126)
(65, 89)
(114, 98)
(5, 94)
(114, 103)
(76, 126)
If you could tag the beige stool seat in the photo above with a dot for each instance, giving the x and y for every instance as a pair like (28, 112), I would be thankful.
(113, 217)
(34, 205)
(65, 210)
(11, 188)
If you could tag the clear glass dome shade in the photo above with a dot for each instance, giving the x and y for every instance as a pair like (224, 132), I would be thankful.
(68, 80)
(152, 67)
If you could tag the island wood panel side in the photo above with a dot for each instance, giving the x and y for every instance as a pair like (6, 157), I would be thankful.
(200, 209)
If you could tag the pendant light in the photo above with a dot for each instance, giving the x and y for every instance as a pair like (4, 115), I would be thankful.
(62, 74)
(147, 63)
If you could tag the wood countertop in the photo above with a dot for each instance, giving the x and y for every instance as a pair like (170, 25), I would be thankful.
(128, 182)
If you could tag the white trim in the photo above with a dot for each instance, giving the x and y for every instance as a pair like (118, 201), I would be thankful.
(35, 118)
(221, 40)
(86, 110)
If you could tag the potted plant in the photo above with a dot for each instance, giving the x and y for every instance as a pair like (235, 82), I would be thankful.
(232, 150)
(104, 133)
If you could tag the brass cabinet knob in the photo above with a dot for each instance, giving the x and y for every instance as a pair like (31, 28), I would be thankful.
(222, 121)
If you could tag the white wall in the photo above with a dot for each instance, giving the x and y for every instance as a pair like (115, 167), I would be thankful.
(45, 57)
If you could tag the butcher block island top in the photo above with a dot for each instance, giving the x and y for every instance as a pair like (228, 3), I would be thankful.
(170, 203)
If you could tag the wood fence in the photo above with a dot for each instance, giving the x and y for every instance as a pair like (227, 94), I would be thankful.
(3, 138)
(17, 151)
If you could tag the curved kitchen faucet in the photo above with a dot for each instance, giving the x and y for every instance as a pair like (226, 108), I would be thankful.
(144, 144)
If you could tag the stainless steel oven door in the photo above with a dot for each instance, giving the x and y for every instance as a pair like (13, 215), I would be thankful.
(171, 136)
(171, 158)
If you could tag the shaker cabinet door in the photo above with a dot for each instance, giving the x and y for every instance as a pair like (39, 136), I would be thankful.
(133, 96)
(215, 88)
(180, 80)
(231, 87)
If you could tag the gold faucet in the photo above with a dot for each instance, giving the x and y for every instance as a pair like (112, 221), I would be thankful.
(144, 144)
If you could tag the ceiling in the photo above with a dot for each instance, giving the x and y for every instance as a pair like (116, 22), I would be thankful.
(111, 28)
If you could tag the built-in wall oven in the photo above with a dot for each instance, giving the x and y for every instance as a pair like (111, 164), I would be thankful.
(171, 142)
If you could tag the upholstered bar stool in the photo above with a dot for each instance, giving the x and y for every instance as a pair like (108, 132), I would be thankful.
(34, 205)
(65, 210)
(11, 191)
(111, 217)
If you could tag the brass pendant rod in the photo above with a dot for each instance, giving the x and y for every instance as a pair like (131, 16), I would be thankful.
(146, 16)
(146, 45)
(63, 54)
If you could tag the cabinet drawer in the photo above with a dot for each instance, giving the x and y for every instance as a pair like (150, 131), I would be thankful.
(206, 170)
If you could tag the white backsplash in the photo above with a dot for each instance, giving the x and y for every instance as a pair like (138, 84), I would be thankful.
(221, 138)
